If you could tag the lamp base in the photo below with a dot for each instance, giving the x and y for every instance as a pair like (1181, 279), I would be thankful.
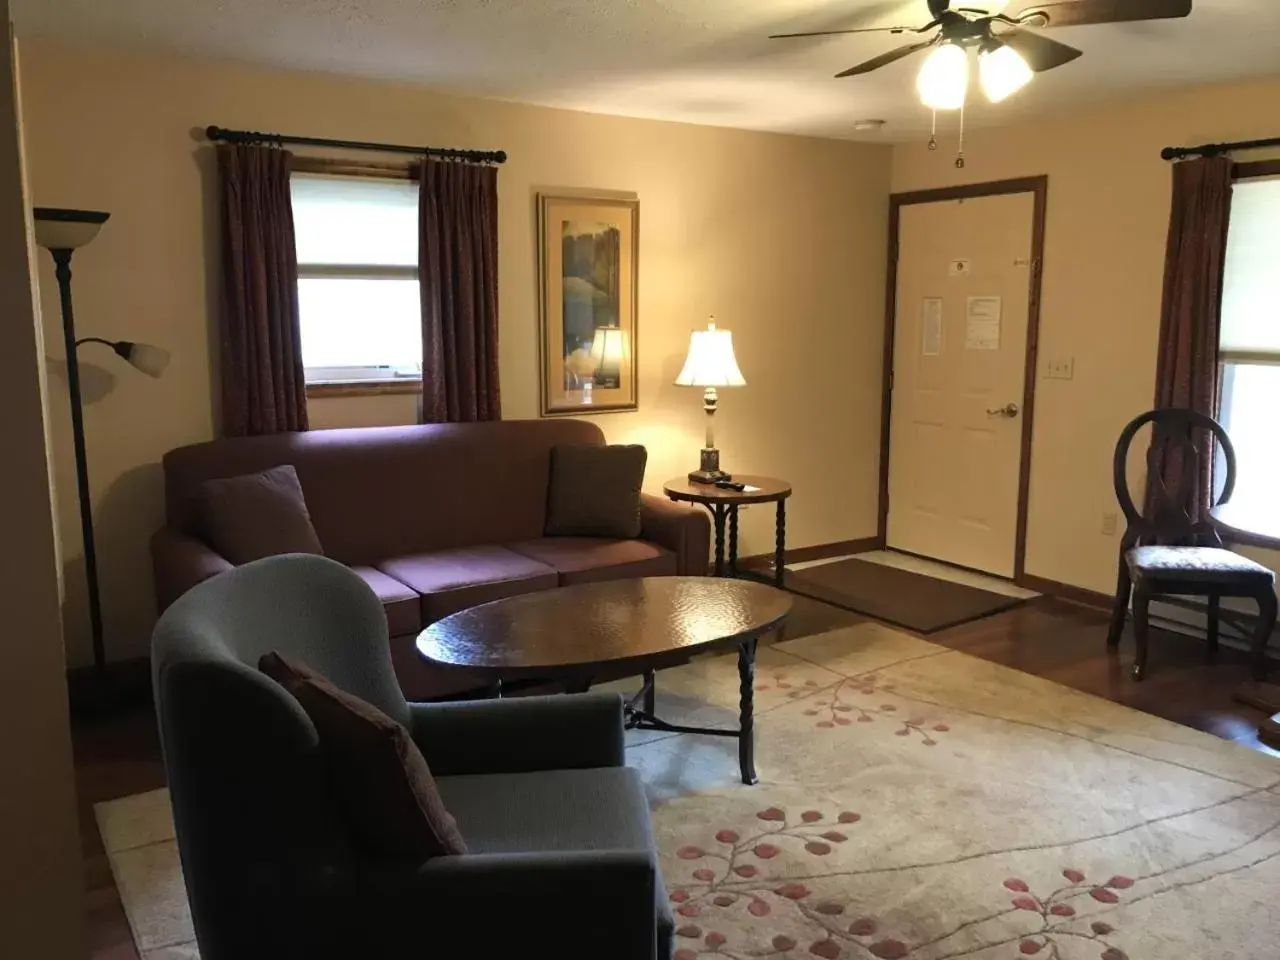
(710, 471)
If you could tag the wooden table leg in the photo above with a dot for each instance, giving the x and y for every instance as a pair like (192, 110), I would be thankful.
(650, 694)
(746, 712)
(780, 545)
(719, 519)
(733, 540)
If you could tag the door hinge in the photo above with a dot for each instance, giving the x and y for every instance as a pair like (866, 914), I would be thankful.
(891, 381)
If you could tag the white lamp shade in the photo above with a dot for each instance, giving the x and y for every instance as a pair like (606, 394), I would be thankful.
(711, 362)
(1002, 72)
(609, 346)
(944, 78)
(151, 360)
(58, 229)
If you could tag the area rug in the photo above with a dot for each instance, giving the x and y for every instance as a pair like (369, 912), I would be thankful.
(903, 597)
(914, 802)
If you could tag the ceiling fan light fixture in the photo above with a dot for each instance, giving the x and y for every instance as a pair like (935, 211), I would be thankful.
(944, 77)
(1002, 71)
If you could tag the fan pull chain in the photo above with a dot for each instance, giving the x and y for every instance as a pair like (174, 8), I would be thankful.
(933, 132)
(960, 149)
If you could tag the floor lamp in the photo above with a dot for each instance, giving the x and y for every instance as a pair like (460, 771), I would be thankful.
(62, 232)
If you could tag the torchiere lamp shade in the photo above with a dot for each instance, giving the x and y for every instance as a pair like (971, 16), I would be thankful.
(61, 229)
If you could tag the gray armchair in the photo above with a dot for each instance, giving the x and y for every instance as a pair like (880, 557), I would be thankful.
(561, 854)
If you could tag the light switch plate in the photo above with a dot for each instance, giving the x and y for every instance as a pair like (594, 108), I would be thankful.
(1060, 368)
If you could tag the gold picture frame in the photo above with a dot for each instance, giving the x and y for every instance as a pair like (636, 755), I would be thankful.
(588, 259)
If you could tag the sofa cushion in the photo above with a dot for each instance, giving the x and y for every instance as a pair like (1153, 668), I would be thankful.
(598, 809)
(256, 515)
(589, 559)
(376, 770)
(452, 580)
(595, 491)
(402, 605)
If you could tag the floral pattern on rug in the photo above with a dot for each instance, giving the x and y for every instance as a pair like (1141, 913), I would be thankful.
(914, 803)
(919, 803)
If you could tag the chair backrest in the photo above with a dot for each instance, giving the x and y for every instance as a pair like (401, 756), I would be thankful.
(255, 822)
(1178, 462)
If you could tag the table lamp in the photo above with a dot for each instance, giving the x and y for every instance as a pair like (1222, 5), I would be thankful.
(710, 364)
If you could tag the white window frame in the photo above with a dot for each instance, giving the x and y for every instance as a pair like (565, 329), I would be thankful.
(1228, 359)
(354, 380)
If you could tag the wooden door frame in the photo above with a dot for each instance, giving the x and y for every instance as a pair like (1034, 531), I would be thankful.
(1038, 187)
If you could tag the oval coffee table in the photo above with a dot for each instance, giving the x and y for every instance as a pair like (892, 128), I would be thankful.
(573, 634)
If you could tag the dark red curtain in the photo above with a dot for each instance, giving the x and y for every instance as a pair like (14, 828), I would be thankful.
(458, 275)
(264, 388)
(1187, 367)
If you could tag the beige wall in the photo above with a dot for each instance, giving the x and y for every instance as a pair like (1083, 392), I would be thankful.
(781, 237)
(41, 884)
(1104, 258)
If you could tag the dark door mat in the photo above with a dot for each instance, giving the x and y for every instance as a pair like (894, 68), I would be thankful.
(911, 600)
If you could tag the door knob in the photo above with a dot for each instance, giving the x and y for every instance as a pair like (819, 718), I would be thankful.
(1008, 411)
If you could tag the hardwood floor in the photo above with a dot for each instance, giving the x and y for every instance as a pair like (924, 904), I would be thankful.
(1048, 638)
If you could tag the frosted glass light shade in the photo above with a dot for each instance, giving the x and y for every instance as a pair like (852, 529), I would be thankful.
(711, 362)
(943, 81)
(148, 358)
(1002, 72)
(60, 229)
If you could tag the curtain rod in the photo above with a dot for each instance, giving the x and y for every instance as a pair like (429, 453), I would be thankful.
(1216, 149)
(444, 153)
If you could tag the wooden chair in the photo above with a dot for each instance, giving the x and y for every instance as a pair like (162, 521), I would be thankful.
(1165, 552)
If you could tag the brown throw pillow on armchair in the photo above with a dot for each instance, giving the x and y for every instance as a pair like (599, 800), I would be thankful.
(595, 491)
(377, 772)
(256, 515)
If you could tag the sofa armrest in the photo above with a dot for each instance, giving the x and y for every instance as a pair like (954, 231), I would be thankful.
(566, 732)
(502, 905)
(179, 562)
(684, 529)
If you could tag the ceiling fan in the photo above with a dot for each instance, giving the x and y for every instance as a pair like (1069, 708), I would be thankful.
(1008, 56)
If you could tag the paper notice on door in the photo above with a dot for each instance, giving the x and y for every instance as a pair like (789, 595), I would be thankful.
(931, 327)
(982, 324)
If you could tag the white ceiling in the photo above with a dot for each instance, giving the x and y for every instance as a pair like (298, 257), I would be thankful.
(700, 61)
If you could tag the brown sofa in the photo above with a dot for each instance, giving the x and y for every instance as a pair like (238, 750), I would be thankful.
(433, 518)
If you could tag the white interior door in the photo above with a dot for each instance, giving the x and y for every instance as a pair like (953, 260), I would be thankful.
(955, 444)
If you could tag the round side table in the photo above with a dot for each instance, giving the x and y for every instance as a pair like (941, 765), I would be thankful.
(724, 505)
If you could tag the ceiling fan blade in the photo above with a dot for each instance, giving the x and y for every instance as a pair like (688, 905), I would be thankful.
(836, 33)
(1041, 53)
(875, 63)
(1074, 13)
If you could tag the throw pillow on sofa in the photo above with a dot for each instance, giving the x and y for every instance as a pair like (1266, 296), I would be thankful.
(377, 772)
(595, 491)
(256, 515)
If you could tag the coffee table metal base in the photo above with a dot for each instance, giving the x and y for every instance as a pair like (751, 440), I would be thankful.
(640, 711)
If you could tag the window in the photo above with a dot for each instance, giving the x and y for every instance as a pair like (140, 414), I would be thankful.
(1250, 347)
(357, 242)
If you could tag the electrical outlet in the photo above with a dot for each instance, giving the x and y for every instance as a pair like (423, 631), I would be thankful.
(1109, 524)
(1063, 368)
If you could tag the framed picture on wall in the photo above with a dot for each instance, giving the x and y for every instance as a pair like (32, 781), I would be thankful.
(588, 251)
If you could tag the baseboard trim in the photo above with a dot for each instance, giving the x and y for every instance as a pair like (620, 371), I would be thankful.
(1065, 591)
(821, 551)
